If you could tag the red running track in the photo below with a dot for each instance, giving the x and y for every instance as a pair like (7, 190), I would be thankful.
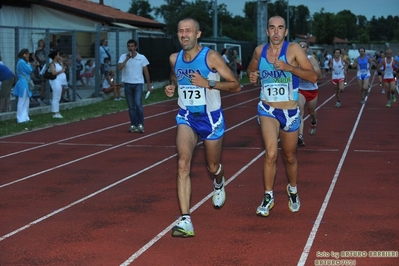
(90, 193)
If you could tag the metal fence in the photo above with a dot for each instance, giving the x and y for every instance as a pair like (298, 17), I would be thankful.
(156, 46)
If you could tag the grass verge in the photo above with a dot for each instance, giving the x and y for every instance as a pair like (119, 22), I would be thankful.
(10, 127)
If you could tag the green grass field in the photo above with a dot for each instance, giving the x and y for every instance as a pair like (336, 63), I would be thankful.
(10, 127)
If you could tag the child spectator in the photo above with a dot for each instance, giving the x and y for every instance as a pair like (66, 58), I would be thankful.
(106, 67)
(109, 85)
(89, 71)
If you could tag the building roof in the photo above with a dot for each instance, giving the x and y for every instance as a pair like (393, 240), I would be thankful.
(309, 38)
(96, 11)
(312, 39)
(339, 40)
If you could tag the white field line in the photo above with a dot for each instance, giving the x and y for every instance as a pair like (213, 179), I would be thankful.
(312, 235)
(103, 189)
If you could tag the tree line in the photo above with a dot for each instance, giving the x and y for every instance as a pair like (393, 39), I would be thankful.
(324, 25)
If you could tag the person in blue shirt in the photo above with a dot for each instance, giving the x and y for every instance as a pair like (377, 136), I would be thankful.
(276, 65)
(363, 64)
(7, 80)
(196, 72)
(21, 89)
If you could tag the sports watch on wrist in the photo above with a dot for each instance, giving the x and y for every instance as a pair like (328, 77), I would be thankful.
(211, 84)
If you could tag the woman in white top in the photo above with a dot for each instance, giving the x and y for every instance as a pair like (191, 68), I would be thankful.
(58, 69)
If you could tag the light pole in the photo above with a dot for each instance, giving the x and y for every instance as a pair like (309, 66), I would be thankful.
(215, 19)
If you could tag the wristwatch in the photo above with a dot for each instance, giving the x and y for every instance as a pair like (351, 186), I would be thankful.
(211, 83)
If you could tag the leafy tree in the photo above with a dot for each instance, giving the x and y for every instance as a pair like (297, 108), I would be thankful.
(141, 8)
(323, 27)
(168, 13)
(346, 27)
(300, 17)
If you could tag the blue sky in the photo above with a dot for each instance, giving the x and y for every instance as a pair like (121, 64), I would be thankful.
(368, 8)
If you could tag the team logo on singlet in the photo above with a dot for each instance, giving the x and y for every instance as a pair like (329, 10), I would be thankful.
(186, 73)
(278, 76)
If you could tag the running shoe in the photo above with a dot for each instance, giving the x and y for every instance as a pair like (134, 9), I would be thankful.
(140, 128)
(58, 116)
(338, 104)
(301, 140)
(388, 104)
(383, 91)
(393, 98)
(293, 200)
(266, 205)
(363, 101)
(183, 228)
(312, 129)
(133, 129)
(380, 84)
(219, 196)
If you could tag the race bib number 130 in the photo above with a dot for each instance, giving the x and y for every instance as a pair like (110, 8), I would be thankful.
(192, 95)
(275, 92)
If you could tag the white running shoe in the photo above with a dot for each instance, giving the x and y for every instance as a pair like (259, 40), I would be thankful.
(293, 201)
(183, 228)
(266, 205)
(219, 196)
(58, 116)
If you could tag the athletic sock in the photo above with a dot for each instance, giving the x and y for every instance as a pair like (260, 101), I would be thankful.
(270, 193)
(186, 216)
(292, 189)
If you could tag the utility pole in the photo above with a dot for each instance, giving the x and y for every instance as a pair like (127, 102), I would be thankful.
(262, 21)
(215, 19)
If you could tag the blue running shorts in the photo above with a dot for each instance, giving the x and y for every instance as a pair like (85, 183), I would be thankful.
(210, 126)
(363, 76)
(289, 119)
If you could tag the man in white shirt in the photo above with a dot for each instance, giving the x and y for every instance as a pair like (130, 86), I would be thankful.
(133, 66)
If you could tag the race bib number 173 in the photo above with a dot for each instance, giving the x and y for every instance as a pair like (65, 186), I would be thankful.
(192, 95)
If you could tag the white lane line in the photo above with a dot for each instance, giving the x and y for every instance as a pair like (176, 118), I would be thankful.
(77, 136)
(111, 148)
(312, 235)
(83, 158)
(82, 199)
(375, 151)
(95, 131)
(103, 189)
(196, 206)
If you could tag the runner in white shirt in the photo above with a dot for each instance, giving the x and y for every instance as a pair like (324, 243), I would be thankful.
(338, 66)
(308, 94)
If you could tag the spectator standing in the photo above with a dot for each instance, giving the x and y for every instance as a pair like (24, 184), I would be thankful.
(21, 89)
(88, 71)
(41, 57)
(105, 52)
(7, 80)
(238, 65)
(133, 65)
(107, 66)
(79, 67)
(57, 68)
